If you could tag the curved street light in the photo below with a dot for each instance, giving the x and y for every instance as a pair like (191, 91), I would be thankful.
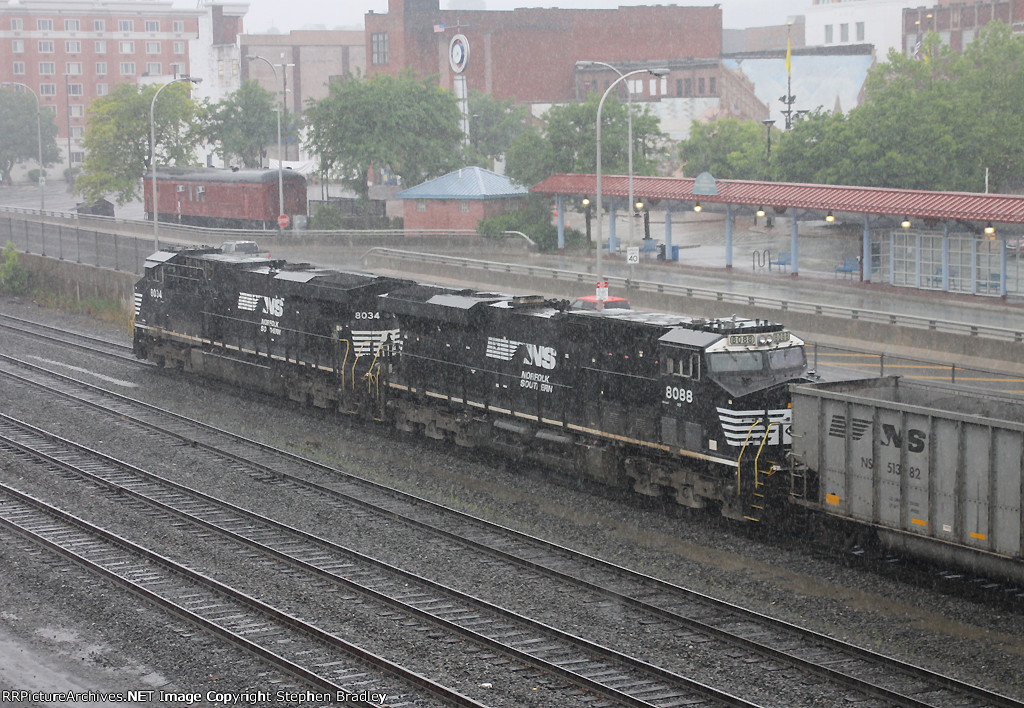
(152, 153)
(600, 107)
(39, 140)
(629, 156)
(280, 151)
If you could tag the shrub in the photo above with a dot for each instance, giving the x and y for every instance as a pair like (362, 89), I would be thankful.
(534, 220)
(14, 278)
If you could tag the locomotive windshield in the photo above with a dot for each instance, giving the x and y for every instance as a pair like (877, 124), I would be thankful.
(735, 362)
(755, 361)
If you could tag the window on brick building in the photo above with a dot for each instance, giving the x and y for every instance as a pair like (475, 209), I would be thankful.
(126, 47)
(178, 69)
(73, 47)
(179, 48)
(76, 110)
(47, 68)
(152, 25)
(17, 24)
(712, 86)
(101, 68)
(700, 86)
(75, 89)
(18, 46)
(125, 25)
(127, 68)
(44, 25)
(99, 25)
(101, 89)
(154, 68)
(18, 68)
(152, 47)
(73, 68)
(47, 89)
(178, 26)
(379, 48)
(72, 25)
(77, 131)
(77, 156)
(101, 47)
(45, 46)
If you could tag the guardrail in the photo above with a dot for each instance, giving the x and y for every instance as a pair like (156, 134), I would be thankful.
(796, 306)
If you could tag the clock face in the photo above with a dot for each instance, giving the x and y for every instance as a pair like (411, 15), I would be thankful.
(458, 53)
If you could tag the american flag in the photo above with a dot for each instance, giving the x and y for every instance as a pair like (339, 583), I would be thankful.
(917, 50)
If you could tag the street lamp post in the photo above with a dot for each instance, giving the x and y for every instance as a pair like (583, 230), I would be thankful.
(600, 107)
(629, 155)
(280, 152)
(152, 154)
(39, 142)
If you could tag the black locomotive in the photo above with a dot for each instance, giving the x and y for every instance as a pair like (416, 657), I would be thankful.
(696, 409)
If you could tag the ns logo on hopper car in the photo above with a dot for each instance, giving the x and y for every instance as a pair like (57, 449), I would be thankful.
(890, 436)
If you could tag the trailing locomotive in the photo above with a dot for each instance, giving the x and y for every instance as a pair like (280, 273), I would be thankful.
(691, 408)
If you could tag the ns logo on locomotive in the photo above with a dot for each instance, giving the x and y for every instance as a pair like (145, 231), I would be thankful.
(691, 408)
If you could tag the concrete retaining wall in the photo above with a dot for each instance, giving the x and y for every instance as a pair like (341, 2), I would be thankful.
(78, 281)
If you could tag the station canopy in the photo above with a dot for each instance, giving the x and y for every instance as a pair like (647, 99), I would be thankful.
(780, 196)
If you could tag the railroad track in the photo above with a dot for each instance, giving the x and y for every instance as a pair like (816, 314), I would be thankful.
(673, 609)
(334, 668)
(55, 335)
(623, 679)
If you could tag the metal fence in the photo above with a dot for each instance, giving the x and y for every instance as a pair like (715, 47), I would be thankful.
(782, 305)
(70, 240)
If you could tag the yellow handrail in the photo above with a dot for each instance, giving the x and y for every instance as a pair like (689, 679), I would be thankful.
(757, 457)
(743, 449)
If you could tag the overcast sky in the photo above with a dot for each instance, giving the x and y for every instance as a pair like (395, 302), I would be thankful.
(290, 15)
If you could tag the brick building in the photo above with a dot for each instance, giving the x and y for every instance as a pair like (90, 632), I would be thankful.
(69, 52)
(459, 200)
(530, 54)
(311, 59)
(958, 23)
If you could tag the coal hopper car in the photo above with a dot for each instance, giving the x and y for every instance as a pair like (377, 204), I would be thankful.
(933, 470)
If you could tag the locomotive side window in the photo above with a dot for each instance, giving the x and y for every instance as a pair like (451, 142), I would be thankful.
(685, 364)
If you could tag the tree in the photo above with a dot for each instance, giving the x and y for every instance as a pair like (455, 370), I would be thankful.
(493, 126)
(243, 124)
(19, 141)
(728, 148)
(938, 122)
(117, 132)
(401, 123)
(569, 142)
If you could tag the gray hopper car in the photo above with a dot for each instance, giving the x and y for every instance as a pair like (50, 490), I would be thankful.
(935, 470)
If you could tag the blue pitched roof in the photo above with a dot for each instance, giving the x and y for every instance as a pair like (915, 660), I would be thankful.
(466, 183)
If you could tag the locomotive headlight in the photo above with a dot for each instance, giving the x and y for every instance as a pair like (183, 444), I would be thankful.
(764, 340)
